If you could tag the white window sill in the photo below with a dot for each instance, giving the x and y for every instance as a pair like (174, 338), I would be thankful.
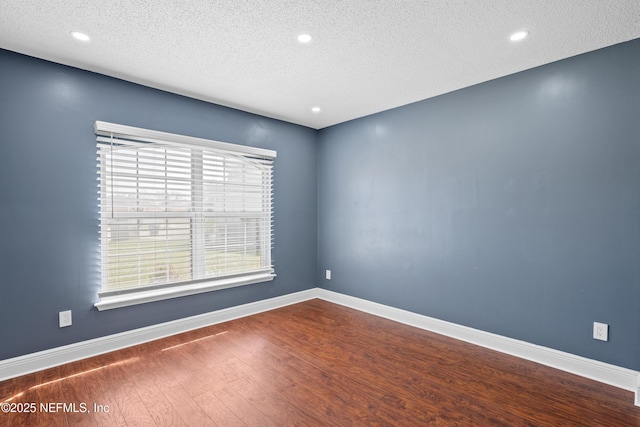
(134, 298)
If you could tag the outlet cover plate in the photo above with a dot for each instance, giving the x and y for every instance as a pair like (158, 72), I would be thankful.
(64, 318)
(600, 331)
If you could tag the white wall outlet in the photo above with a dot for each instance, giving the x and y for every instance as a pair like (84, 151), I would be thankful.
(600, 331)
(327, 274)
(64, 317)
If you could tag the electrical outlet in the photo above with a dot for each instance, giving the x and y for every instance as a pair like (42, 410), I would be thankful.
(64, 318)
(327, 274)
(600, 331)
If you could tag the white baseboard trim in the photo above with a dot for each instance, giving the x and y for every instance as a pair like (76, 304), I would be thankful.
(616, 376)
(22, 365)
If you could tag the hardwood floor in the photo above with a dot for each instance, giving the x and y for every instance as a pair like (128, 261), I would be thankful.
(311, 364)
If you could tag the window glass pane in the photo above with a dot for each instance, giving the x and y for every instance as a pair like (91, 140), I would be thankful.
(143, 252)
(232, 245)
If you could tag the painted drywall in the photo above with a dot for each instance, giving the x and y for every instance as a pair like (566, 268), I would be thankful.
(512, 206)
(49, 205)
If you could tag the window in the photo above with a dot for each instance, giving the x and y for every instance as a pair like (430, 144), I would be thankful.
(180, 215)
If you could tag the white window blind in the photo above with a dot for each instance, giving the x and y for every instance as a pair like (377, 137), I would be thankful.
(177, 210)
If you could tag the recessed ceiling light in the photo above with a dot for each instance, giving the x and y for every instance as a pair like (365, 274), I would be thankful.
(80, 36)
(316, 110)
(304, 38)
(519, 36)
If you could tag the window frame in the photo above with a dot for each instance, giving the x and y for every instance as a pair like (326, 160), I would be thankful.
(107, 133)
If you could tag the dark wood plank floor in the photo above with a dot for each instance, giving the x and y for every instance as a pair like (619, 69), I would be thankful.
(312, 364)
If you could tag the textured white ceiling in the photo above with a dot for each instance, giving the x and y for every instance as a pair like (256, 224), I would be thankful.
(366, 56)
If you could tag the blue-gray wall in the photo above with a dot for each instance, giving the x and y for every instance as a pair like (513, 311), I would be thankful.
(512, 206)
(48, 199)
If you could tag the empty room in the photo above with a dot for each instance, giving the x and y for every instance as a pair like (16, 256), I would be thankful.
(320, 213)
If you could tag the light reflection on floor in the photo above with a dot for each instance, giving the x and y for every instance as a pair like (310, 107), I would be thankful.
(193, 341)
